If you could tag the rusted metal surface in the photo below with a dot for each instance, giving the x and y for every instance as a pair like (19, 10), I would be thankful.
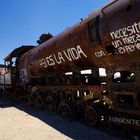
(110, 36)
(18, 52)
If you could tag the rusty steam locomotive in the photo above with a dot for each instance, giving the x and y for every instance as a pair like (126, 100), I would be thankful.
(90, 70)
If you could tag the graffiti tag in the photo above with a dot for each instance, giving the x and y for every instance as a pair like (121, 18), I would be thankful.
(127, 39)
(99, 54)
(124, 121)
(69, 54)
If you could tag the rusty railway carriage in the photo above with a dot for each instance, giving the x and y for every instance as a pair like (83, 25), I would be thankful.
(52, 75)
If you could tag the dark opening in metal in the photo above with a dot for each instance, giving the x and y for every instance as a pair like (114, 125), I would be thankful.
(110, 49)
(128, 8)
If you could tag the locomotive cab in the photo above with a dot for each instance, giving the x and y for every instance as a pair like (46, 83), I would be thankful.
(11, 66)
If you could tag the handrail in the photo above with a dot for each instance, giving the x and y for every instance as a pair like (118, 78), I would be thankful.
(108, 5)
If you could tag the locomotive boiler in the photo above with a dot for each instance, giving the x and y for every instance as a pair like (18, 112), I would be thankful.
(51, 74)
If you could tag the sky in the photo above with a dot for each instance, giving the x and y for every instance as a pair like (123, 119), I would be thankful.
(23, 21)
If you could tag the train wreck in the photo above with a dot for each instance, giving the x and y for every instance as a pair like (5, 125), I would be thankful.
(50, 76)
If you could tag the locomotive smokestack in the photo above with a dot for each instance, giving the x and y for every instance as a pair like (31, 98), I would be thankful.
(44, 37)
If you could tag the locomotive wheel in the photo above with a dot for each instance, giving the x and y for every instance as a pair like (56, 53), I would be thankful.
(50, 104)
(65, 110)
(38, 102)
(32, 97)
(92, 116)
(30, 101)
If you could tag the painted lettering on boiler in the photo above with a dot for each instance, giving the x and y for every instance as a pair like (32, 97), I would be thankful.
(69, 54)
(127, 39)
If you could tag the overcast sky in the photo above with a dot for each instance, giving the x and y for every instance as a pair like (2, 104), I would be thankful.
(23, 21)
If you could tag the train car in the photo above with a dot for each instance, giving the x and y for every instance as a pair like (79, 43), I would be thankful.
(2, 71)
(90, 70)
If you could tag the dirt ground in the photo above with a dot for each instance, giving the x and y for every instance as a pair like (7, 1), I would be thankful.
(19, 122)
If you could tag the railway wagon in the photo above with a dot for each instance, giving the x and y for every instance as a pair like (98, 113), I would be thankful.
(2, 71)
(90, 70)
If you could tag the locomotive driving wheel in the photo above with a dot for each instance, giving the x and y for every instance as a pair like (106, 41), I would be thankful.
(65, 110)
(50, 104)
(92, 116)
(38, 101)
(30, 100)
(32, 97)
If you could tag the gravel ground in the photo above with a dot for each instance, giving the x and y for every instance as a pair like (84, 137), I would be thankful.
(20, 122)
